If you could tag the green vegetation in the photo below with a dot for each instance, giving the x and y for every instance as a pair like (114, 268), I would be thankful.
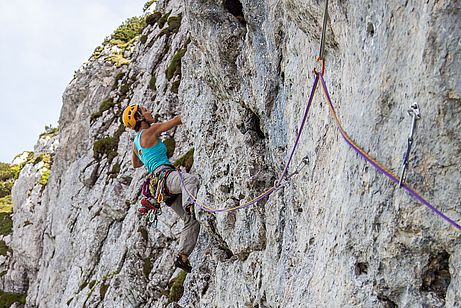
(117, 79)
(103, 290)
(3, 248)
(162, 20)
(187, 160)
(44, 177)
(128, 30)
(174, 68)
(144, 233)
(123, 37)
(8, 174)
(70, 301)
(44, 157)
(6, 204)
(124, 88)
(97, 53)
(26, 158)
(147, 267)
(49, 132)
(170, 144)
(175, 86)
(92, 284)
(105, 105)
(108, 146)
(174, 23)
(152, 83)
(82, 286)
(7, 299)
(148, 4)
(153, 18)
(143, 39)
(105, 146)
(115, 170)
(118, 59)
(6, 209)
(45, 169)
(176, 287)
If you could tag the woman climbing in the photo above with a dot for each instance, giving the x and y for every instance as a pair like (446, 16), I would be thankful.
(149, 150)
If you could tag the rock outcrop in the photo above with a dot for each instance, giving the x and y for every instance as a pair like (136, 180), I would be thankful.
(239, 73)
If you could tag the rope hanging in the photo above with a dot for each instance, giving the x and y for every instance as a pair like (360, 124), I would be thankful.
(349, 141)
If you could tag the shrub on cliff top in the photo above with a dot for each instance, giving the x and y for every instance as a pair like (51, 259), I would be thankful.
(129, 29)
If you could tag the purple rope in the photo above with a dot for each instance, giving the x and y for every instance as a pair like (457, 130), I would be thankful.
(277, 184)
(390, 176)
(270, 191)
(311, 97)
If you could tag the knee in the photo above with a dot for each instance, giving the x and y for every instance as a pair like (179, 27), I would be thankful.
(192, 179)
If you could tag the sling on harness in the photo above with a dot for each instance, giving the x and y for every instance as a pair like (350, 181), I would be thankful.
(155, 194)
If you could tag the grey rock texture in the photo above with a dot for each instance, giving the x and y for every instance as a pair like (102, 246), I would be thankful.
(338, 234)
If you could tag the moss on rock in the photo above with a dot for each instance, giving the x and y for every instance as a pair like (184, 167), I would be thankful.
(49, 132)
(175, 86)
(152, 19)
(6, 223)
(170, 144)
(105, 105)
(7, 299)
(103, 290)
(152, 83)
(144, 233)
(147, 267)
(176, 289)
(186, 161)
(115, 170)
(162, 20)
(108, 146)
(174, 23)
(3, 248)
(174, 68)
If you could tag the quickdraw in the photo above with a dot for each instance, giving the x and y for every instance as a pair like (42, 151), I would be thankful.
(283, 178)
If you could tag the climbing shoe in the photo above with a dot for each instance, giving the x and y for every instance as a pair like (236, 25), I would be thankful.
(183, 265)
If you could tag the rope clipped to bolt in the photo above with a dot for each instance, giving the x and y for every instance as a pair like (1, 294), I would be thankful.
(377, 165)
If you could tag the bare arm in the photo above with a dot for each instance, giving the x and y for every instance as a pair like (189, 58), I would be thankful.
(156, 129)
(135, 159)
(167, 125)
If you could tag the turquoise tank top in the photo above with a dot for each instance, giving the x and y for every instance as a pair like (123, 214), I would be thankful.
(152, 157)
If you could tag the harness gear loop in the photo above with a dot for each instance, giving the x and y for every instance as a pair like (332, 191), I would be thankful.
(413, 111)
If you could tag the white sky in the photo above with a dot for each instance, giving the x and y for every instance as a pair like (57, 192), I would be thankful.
(42, 43)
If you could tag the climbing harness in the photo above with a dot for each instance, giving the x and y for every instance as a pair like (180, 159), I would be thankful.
(413, 112)
(156, 195)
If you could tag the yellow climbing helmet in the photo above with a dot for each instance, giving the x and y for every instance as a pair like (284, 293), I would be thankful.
(129, 119)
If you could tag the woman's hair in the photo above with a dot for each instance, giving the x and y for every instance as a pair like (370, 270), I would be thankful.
(138, 122)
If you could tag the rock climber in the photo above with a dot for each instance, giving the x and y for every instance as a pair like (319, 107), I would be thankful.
(150, 151)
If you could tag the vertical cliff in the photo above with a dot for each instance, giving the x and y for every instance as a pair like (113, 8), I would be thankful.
(239, 73)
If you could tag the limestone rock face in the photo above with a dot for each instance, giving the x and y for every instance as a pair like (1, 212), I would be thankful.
(338, 234)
